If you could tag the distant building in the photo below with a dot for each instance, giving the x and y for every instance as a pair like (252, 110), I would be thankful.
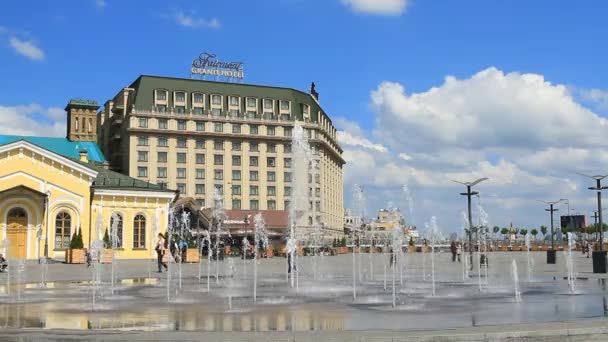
(388, 219)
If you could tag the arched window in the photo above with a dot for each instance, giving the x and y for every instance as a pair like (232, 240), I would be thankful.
(76, 126)
(17, 213)
(139, 232)
(118, 237)
(63, 229)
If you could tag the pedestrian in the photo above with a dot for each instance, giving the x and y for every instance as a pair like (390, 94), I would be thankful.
(3, 263)
(458, 250)
(453, 249)
(160, 252)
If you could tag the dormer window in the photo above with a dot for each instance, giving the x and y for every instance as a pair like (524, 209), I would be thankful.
(267, 103)
(234, 101)
(216, 99)
(284, 105)
(197, 98)
(251, 102)
(180, 96)
(161, 95)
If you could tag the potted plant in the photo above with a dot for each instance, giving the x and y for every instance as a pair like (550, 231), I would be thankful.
(107, 254)
(75, 254)
(342, 249)
(411, 248)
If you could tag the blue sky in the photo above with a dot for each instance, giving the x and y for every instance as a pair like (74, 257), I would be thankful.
(53, 51)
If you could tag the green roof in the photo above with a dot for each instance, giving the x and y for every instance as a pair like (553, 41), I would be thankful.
(146, 84)
(62, 146)
(84, 102)
(107, 179)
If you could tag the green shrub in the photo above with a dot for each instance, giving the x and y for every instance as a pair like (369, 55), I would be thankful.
(106, 240)
(76, 242)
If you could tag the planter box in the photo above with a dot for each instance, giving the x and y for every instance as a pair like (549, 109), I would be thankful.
(504, 248)
(543, 248)
(411, 249)
(516, 248)
(342, 250)
(269, 253)
(535, 248)
(106, 256)
(192, 255)
(226, 250)
(75, 256)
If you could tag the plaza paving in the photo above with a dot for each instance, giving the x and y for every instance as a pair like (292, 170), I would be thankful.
(340, 268)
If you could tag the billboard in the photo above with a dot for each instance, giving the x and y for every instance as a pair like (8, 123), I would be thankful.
(573, 222)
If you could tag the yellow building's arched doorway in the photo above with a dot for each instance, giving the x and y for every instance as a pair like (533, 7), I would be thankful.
(16, 230)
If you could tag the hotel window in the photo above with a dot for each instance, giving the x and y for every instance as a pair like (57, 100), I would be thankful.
(181, 142)
(287, 204)
(236, 146)
(76, 126)
(200, 189)
(216, 99)
(220, 190)
(271, 162)
(197, 98)
(142, 141)
(310, 205)
(310, 220)
(253, 190)
(272, 205)
(287, 192)
(200, 126)
(309, 192)
(180, 96)
(236, 204)
(254, 205)
(181, 158)
(305, 111)
(218, 144)
(180, 109)
(271, 148)
(254, 175)
(143, 122)
(318, 206)
(181, 125)
(163, 142)
(218, 174)
(197, 110)
(309, 178)
(236, 189)
(234, 101)
(163, 124)
(200, 173)
(236, 174)
(200, 143)
(269, 130)
(161, 108)
(318, 192)
(218, 159)
(253, 129)
(287, 176)
(254, 147)
(272, 176)
(218, 127)
(162, 172)
(233, 113)
(272, 190)
(142, 156)
(200, 158)
(251, 102)
(287, 131)
(287, 148)
(236, 128)
(267, 104)
(142, 171)
(284, 105)
(318, 179)
(216, 111)
(181, 187)
(236, 160)
(253, 161)
(161, 156)
(181, 172)
(287, 162)
(250, 114)
(161, 95)
(201, 202)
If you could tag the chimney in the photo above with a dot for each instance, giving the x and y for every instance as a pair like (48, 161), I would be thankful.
(313, 91)
(83, 156)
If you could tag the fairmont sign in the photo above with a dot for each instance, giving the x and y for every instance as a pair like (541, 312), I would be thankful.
(208, 64)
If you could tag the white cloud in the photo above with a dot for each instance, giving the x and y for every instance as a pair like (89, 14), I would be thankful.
(32, 119)
(598, 96)
(101, 4)
(27, 49)
(405, 156)
(190, 21)
(377, 7)
(345, 138)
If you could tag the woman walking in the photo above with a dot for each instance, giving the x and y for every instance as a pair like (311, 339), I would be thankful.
(160, 252)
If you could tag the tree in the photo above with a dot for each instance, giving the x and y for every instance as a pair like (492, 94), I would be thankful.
(543, 230)
(106, 240)
(504, 232)
(534, 232)
(523, 232)
(496, 229)
(411, 241)
(76, 242)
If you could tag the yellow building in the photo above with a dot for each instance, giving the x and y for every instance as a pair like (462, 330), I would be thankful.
(46, 195)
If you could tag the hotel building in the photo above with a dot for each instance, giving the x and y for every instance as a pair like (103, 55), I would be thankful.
(195, 136)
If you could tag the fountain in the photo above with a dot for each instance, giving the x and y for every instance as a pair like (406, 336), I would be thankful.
(396, 243)
(358, 211)
(245, 248)
(260, 236)
(433, 234)
(219, 215)
(570, 263)
(528, 259)
(96, 250)
(44, 270)
(115, 221)
(465, 266)
(515, 281)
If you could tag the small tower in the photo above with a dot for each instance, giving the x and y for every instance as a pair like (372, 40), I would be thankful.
(82, 120)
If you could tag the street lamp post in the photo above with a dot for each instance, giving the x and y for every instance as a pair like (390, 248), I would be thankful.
(470, 193)
(599, 257)
(551, 255)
